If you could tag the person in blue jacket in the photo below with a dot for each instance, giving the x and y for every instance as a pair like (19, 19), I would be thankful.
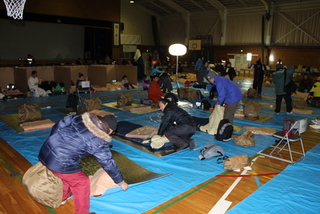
(73, 138)
(229, 94)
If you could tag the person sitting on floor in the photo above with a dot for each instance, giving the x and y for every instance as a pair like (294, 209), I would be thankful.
(154, 91)
(81, 78)
(33, 83)
(145, 82)
(315, 93)
(125, 82)
(60, 89)
(177, 126)
(305, 84)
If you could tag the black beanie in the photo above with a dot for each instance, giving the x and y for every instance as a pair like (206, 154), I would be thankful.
(112, 121)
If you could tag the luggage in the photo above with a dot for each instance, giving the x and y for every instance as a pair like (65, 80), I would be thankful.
(205, 105)
(253, 93)
(43, 186)
(72, 102)
(125, 99)
(225, 130)
(92, 103)
(251, 109)
(245, 139)
(189, 94)
(29, 112)
(237, 162)
(287, 124)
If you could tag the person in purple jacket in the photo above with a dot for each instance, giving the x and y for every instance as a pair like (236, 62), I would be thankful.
(229, 94)
(73, 138)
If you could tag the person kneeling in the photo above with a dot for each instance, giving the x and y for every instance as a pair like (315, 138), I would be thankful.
(177, 126)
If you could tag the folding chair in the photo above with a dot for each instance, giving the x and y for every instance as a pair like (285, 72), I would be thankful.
(286, 139)
(83, 87)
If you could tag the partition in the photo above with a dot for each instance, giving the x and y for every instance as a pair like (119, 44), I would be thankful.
(69, 74)
(102, 74)
(22, 74)
(6, 76)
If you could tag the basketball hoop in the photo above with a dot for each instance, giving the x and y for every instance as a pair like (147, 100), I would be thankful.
(15, 8)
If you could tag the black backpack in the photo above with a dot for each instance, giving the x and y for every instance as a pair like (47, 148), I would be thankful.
(72, 102)
(205, 104)
(225, 130)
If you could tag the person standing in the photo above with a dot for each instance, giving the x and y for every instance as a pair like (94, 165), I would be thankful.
(33, 84)
(281, 77)
(177, 126)
(258, 76)
(73, 138)
(230, 71)
(202, 73)
(199, 63)
(229, 94)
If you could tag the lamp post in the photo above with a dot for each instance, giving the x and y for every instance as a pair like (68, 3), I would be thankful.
(249, 58)
(177, 50)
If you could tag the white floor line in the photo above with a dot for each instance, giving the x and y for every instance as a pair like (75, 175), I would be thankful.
(223, 205)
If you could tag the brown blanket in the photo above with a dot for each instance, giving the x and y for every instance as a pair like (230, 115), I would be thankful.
(36, 125)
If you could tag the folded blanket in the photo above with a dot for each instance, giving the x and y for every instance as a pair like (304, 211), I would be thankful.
(36, 125)
(260, 130)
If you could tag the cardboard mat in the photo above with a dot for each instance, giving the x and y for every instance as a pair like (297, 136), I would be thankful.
(134, 105)
(283, 108)
(13, 121)
(262, 118)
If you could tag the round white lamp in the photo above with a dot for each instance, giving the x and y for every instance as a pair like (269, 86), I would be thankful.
(177, 50)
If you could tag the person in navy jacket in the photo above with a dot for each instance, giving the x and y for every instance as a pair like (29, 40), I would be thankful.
(73, 138)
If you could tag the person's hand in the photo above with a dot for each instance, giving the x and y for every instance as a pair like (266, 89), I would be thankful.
(215, 99)
(124, 186)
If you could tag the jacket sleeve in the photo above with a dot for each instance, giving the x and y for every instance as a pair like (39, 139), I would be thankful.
(166, 119)
(104, 157)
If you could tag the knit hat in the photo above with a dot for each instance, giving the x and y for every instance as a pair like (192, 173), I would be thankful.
(112, 121)
(211, 75)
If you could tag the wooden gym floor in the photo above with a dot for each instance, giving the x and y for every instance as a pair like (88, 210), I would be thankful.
(200, 199)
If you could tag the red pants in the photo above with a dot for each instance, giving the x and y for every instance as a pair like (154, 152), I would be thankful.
(78, 184)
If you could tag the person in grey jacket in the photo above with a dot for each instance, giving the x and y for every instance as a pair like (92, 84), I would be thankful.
(73, 138)
(281, 77)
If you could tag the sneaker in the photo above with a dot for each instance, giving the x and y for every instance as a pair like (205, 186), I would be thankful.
(182, 147)
(290, 112)
(65, 201)
(277, 113)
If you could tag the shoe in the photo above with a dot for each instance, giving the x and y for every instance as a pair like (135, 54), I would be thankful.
(277, 113)
(182, 147)
(192, 144)
(290, 112)
(65, 201)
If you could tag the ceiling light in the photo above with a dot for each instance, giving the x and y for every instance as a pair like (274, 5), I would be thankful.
(131, 2)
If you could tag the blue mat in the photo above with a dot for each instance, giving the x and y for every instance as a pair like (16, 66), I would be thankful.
(295, 190)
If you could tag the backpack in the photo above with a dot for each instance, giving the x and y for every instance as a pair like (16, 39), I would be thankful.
(287, 124)
(251, 109)
(72, 102)
(205, 105)
(211, 150)
(225, 130)
(29, 112)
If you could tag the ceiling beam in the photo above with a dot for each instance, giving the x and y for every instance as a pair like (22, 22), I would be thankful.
(175, 6)
(217, 4)
(267, 4)
(161, 8)
(198, 5)
(243, 3)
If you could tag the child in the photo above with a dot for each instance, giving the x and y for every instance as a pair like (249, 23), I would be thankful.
(60, 89)
(125, 82)
(145, 82)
